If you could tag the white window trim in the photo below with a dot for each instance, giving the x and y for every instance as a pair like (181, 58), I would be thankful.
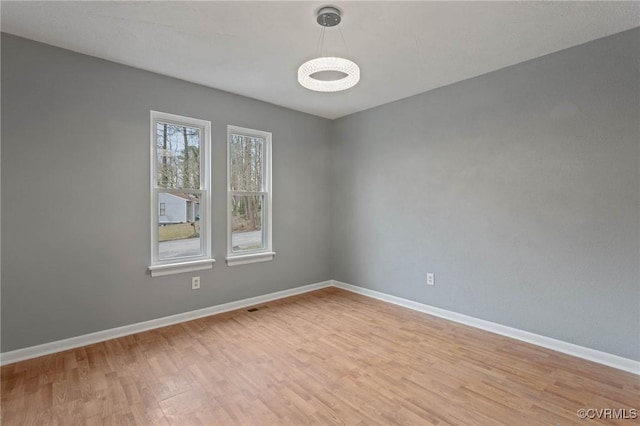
(243, 259)
(186, 264)
(266, 253)
(180, 267)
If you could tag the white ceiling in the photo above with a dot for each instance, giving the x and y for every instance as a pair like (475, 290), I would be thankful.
(255, 48)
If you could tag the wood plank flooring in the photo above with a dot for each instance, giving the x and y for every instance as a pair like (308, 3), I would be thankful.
(326, 357)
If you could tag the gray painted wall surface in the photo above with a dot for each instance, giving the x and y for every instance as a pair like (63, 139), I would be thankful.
(519, 189)
(75, 133)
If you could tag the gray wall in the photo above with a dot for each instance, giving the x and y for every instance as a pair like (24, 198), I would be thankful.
(519, 189)
(75, 195)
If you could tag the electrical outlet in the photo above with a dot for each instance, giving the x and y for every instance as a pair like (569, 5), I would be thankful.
(431, 278)
(195, 283)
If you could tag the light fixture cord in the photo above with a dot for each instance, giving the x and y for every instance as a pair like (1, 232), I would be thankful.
(344, 42)
(320, 42)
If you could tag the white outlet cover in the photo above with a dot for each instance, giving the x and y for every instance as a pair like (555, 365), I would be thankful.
(195, 283)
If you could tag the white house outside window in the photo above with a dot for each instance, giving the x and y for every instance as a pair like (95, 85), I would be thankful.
(180, 194)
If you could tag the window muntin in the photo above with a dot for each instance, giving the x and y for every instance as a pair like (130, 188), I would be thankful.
(249, 192)
(180, 189)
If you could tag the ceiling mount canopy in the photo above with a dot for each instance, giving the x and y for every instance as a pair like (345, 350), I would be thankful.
(328, 73)
(329, 16)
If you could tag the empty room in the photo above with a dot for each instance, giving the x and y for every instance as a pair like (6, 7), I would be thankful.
(306, 212)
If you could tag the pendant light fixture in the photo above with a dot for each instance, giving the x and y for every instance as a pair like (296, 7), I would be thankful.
(328, 73)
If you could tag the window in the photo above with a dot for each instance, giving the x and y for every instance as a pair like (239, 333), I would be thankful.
(249, 196)
(180, 194)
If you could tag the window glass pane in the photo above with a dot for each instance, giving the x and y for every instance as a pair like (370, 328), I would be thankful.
(246, 170)
(179, 226)
(178, 156)
(246, 222)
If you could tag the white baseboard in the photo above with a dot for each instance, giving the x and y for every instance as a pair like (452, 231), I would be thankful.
(525, 336)
(600, 357)
(100, 336)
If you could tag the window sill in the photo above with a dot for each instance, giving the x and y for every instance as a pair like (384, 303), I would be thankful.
(181, 267)
(244, 259)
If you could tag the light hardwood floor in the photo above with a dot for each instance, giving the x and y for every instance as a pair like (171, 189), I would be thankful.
(326, 357)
